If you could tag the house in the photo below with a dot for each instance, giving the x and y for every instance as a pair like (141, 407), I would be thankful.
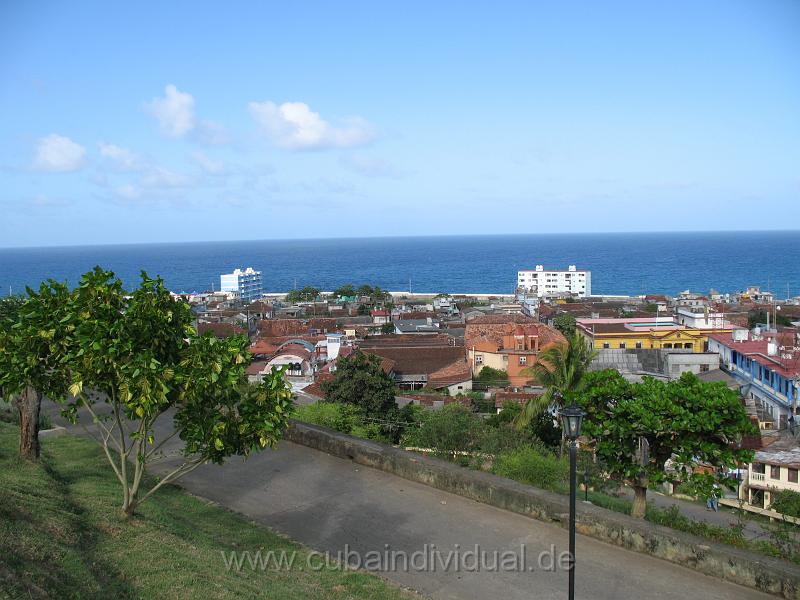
(220, 330)
(411, 326)
(380, 316)
(767, 367)
(508, 343)
(645, 332)
(427, 365)
(773, 469)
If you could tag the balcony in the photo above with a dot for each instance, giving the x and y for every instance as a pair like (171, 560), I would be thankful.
(757, 478)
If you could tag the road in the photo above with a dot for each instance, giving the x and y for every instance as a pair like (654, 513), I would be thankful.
(330, 504)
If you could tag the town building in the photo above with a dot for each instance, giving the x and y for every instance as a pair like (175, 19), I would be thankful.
(767, 366)
(541, 283)
(645, 332)
(509, 343)
(247, 282)
(774, 468)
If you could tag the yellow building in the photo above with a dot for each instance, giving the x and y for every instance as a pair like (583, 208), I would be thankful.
(644, 333)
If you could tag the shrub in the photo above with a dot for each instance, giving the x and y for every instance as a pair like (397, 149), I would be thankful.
(786, 502)
(336, 416)
(534, 465)
(447, 431)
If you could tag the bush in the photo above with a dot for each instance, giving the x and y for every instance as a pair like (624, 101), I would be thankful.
(492, 377)
(535, 466)
(447, 431)
(786, 502)
(333, 415)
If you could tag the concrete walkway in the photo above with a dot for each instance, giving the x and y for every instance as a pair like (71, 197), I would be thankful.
(330, 504)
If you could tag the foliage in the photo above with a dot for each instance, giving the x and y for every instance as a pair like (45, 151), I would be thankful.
(687, 421)
(786, 502)
(492, 377)
(448, 431)
(344, 291)
(560, 369)
(650, 308)
(672, 517)
(387, 328)
(565, 323)
(135, 356)
(536, 466)
(60, 537)
(35, 337)
(306, 294)
(760, 316)
(333, 415)
(360, 380)
(542, 428)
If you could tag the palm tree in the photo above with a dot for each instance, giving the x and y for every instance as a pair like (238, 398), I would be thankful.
(560, 369)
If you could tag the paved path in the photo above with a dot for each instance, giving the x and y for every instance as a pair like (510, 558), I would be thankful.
(329, 504)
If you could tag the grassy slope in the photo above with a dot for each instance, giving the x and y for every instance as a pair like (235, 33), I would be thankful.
(61, 537)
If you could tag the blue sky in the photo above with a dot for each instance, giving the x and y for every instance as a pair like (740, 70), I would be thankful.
(177, 121)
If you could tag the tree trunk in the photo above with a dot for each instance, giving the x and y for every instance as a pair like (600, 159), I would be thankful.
(639, 501)
(28, 404)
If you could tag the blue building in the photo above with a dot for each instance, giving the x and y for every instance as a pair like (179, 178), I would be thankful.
(767, 366)
(247, 282)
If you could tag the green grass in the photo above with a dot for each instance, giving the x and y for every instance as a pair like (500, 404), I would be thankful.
(61, 536)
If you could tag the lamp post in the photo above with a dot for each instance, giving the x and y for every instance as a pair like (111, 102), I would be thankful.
(571, 419)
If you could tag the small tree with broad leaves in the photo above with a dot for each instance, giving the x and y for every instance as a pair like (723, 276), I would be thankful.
(136, 358)
(34, 340)
(687, 422)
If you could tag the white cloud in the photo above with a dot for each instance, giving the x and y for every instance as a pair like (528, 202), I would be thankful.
(127, 192)
(122, 157)
(209, 165)
(370, 167)
(295, 126)
(58, 153)
(211, 133)
(159, 177)
(174, 112)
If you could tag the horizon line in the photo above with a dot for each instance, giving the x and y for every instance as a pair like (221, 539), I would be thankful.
(400, 236)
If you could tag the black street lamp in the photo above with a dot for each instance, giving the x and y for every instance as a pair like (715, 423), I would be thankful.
(572, 419)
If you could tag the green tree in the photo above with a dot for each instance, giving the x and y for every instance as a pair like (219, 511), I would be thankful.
(448, 431)
(360, 380)
(387, 328)
(345, 291)
(565, 323)
(687, 421)
(34, 341)
(136, 358)
(561, 370)
(492, 377)
(307, 294)
(365, 291)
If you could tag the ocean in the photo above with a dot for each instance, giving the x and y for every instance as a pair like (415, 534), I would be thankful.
(621, 263)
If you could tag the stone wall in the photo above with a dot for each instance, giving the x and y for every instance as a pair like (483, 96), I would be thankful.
(718, 560)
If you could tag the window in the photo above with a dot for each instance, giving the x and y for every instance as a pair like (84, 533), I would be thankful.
(774, 472)
(792, 473)
(759, 468)
(638, 344)
(523, 360)
(479, 359)
(687, 345)
(704, 368)
(606, 345)
(623, 345)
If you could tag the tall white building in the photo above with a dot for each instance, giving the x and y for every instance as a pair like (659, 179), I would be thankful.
(247, 282)
(543, 283)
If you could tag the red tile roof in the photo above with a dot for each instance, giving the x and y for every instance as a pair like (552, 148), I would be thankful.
(220, 330)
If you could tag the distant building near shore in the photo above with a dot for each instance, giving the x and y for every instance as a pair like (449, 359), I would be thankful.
(247, 282)
(544, 284)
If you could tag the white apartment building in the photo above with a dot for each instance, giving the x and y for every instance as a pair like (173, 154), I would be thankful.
(543, 283)
(247, 282)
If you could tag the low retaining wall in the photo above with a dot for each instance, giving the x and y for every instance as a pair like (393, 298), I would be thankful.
(718, 560)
